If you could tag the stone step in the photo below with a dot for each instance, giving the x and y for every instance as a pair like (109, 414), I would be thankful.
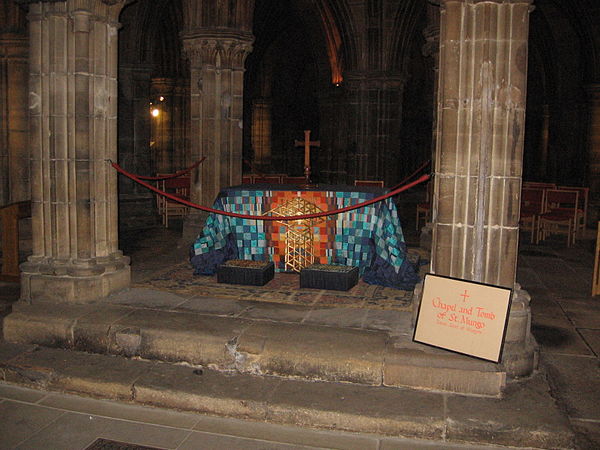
(525, 417)
(261, 347)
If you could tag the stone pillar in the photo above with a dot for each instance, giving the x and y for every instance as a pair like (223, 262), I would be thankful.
(216, 105)
(374, 128)
(479, 153)
(431, 49)
(333, 154)
(543, 161)
(162, 124)
(136, 203)
(593, 92)
(181, 124)
(73, 132)
(261, 133)
(481, 113)
(14, 150)
(134, 125)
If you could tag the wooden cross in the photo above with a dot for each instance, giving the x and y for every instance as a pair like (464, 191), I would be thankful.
(307, 144)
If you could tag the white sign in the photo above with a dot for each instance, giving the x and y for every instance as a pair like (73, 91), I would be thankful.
(463, 316)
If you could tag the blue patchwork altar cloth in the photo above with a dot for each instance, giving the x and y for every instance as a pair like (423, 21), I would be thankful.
(369, 238)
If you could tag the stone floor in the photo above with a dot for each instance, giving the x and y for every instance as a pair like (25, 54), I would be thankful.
(566, 323)
(33, 419)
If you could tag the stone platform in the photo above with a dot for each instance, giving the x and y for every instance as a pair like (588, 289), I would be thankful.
(526, 416)
(369, 347)
(330, 368)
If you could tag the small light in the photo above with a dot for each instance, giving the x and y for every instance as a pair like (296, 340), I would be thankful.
(161, 98)
(155, 112)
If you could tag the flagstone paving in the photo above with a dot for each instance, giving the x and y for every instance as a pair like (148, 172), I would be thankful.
(566, 323)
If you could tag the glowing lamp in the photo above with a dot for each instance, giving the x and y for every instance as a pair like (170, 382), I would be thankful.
(155, 112)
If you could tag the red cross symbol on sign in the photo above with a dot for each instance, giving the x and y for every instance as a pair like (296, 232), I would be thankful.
(465, 295)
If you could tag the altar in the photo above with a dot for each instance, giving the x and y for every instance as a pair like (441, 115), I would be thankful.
(369, 238)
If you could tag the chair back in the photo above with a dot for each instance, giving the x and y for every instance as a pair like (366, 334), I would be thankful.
(583, 194)
(558, 199)
(180, 186)
(532, 200)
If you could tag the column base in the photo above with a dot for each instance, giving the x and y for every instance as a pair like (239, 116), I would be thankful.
(520, 353)
(60, 283)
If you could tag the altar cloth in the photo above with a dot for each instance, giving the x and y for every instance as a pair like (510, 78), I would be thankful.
(369, 238)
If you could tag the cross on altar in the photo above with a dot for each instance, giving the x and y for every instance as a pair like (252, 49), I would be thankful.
(307, 144)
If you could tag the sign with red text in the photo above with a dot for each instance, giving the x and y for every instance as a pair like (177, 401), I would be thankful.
(463, 316)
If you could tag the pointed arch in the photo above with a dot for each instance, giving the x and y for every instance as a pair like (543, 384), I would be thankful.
(407, 17)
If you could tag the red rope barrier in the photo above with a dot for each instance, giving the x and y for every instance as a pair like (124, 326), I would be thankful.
(173, 175)
(282, 218)
(421, 167)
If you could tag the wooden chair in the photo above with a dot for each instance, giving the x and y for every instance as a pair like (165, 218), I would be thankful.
(423, 213)
(532, 206)
(559, 216)
(372, 183)
(170, 208)
(582, 206)
(424, 208)
(596, 277)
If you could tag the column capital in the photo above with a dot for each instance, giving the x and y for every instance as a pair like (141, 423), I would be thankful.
(219, 49)
(107, 9)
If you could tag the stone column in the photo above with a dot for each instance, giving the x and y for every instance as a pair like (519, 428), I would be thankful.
(134, 125)
(333, 153)
(162, 124)
(374, 128)
(73, 132)
(14, 150)
(593, 92)
(431, 49)
(261, 132)
(136, 203)
(543, 162)
(479, 153)
(181, 123)
(216, 105)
